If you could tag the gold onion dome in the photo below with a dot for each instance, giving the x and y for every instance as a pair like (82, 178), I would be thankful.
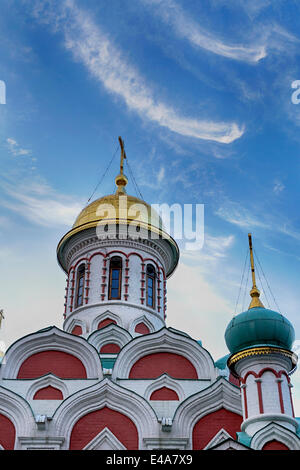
(120, 209)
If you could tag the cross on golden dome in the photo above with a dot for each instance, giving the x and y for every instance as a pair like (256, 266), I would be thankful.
(255, 302)
(121, 180)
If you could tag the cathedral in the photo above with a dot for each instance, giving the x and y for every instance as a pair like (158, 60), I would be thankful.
(116, 377)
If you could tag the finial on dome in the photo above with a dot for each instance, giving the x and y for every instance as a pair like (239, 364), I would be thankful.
(255, 302)
(121, 179)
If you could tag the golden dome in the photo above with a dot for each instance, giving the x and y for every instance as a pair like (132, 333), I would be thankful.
(120, 209)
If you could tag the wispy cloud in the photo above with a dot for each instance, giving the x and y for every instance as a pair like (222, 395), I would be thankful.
(215, 248)
(187, 28)
(278, 187)
(90, 46)
(161, 174)
(15, 149)
(236, 214)
(41, 204)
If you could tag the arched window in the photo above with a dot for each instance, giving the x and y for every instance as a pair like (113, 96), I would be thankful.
(150, 286)
(80, 285)
(115, 278)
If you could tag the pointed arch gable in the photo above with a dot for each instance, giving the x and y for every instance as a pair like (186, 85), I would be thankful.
(220, 395)
(105, 394)
(164, 381)
(142, 329)
(7, 434)
(221, 436)
(107, 315)
(59, 363)
(51, 339)
(48, 393)
(165, 394)
(111, 333)
(209, 425)
(88, 427)
(274, 431)
(155, 364)
(77, 330)
(104, 323)
(76, 323)
(105, 440)
(48, 380)
(17, 411)
(164, 341)
(141, 320)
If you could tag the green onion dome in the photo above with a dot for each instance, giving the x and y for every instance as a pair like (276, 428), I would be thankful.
(259, 326)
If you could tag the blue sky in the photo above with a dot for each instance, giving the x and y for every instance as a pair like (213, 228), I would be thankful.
(201, 94)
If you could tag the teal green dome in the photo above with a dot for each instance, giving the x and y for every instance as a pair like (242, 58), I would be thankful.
(259, 326)
(222, 362)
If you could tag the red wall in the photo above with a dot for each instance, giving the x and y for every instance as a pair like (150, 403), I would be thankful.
(93, 423)
(275, 445)
(48, 393)
(154, 365)
(60, 363)
(234, 380)
(164, 393)
(142, 329)
(110, 348)
(208, 426)
(7, 433)
(77, 330)
(105, 322)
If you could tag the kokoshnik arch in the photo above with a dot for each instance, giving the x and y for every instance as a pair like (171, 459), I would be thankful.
(116, 377)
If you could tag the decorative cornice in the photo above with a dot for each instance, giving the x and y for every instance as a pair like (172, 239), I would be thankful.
(260, 351)
(38, 443)
(87, 240)
(180, 443)
(81, 246)
(109, 304)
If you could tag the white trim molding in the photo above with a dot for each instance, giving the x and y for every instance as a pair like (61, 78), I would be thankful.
(152, 443)
(274, 431)
(105, 393)
(15, 408)
(164, 340)
(40, 443)
(105, 440)
(221, 394)
(253, 424)
(164, 381)
(108, 314)
(46, 381)
(109, 334)
(78, 322)
(51, 339)
(146, 321)
(220, 437)
(229, 444)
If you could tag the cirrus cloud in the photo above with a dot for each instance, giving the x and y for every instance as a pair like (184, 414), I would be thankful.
(90, 46)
